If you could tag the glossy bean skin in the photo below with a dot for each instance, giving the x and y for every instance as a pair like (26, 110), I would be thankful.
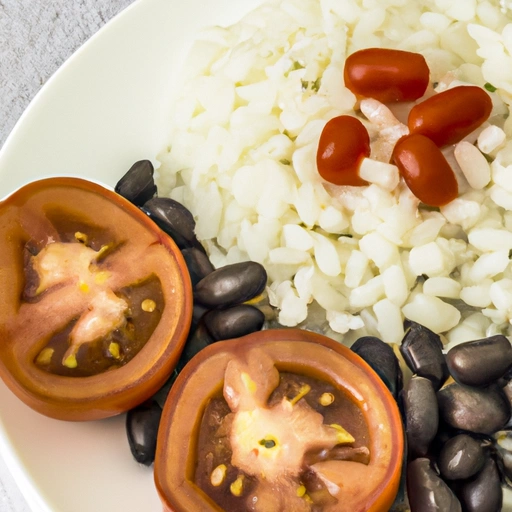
(386, 75)
(233, 322)
(142, 424)
(426, 490)
(480, 362)
(483, 493)
(196, 341)
(138, 184)
(173, 218)
(421, 415)
(231, 284)
(461, 457)
(446, 118)
(161, 395)
(343, 143)
(198, 264)
(198, 312)
(422, 351)
(425, 170)
(478, 410)
(382, 359)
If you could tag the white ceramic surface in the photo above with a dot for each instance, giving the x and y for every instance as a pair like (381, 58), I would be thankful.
(107, 107)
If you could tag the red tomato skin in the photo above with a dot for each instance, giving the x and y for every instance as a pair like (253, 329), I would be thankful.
(425, 170)
(343, 144)
(386, 75)
(451, 115)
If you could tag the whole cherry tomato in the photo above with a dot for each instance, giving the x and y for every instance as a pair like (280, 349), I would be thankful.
(449, 116)
(343, 144)
(386, 75)
(286, 419)
(95, 302)
(425, 170)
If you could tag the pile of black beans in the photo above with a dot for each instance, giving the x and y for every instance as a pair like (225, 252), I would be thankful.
(456, 407)
(220, 310)
(456, 410)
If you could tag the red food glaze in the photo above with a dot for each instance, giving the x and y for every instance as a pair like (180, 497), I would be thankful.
(425, 170)
(386, 75)
(449, 116)
(343, 144)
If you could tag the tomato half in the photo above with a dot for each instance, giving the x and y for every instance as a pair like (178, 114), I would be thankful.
(279, 420)
(95, 303)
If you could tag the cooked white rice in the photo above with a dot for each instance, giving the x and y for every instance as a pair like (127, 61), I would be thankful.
(351, 260)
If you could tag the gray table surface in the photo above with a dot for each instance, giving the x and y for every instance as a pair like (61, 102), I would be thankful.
(36, 37)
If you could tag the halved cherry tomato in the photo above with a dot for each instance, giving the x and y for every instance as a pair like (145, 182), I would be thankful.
(343, 144)
(449, 116)
(386, 75)
(248, 421)
(95, 302)
(425, 170)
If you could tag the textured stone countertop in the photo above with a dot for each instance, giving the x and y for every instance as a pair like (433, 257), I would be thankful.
(36, 37)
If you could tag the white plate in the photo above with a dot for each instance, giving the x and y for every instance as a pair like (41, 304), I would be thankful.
(107, 107)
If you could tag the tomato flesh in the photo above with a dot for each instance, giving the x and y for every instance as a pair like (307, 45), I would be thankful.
(343, 144)
(386, 75)
(448, 117)
(425, 170)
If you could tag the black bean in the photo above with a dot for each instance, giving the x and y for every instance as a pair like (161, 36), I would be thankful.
(479, 410)
(426, 490)
(196, 341)
(231, 284)
(198, 264)
(461, 457)
(422, 351)
(483, 493)
(421, 415)
(382, 359)
(480, 362)
(161, 395)
(173, 218)
(142, 424)
(236, 321)
(137, 185)
(198, 311)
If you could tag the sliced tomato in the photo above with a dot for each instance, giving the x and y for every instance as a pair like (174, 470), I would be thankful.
(95, 303)
(279, 445)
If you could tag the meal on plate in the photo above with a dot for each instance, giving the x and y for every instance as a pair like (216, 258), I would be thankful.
(307, 306)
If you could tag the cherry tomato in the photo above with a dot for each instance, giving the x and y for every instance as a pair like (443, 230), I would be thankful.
(425, 170)
(449, 116)
(230, 395)
(386, 75)
(95, 302)
(343, 144)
